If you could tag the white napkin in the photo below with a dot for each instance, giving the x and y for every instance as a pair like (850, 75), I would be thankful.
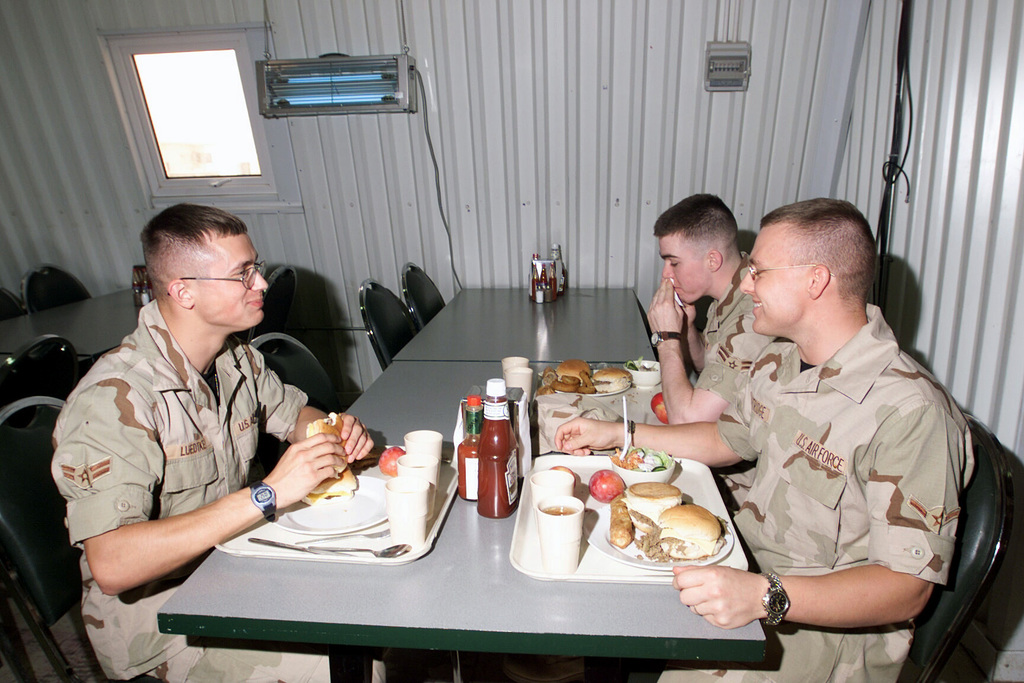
(522, 428)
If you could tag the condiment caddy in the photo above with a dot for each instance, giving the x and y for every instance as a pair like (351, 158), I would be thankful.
(549, 278)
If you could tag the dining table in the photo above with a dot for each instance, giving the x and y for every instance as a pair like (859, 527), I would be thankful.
(93, 326)
(464, 594)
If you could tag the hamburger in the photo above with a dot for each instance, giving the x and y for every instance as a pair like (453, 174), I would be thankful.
(611, 380)
(343, 484)
(647, 501)
(573, 376)
(689, 532)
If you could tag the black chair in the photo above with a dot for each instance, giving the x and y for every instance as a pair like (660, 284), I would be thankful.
(983, 532)
(296, 365)
(45, 366)
(388, 322)
(47, 286)
(420, 294)
(38, 566)
(10, 305)
(277, 302)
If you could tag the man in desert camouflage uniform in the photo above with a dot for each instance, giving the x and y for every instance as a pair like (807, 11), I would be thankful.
(860, 459)
(154, 449)
(697, 239)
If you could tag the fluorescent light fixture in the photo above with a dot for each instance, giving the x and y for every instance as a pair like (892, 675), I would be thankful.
(336, 85)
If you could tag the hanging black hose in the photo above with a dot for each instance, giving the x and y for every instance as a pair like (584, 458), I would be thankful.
(893, 168)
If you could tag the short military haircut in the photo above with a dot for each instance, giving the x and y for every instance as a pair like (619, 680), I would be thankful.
(177, 237)
(703, 219)
(835, 234)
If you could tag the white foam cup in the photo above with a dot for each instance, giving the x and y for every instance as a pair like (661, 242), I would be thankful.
(407, 500)
(520, 377)
(560, 528)
(424, 441)
(514, 362)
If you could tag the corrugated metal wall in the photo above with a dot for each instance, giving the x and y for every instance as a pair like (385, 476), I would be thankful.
(571, 121)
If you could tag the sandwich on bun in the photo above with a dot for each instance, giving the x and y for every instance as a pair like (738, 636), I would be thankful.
(689, 532)
(611, 380)
(343, 484)
(647, 501)
(573, 376)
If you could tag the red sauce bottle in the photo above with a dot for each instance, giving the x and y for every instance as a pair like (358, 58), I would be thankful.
(498, 457)
(469, 449)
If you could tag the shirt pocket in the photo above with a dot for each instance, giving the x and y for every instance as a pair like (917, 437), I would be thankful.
(191, 471)
(804, 513)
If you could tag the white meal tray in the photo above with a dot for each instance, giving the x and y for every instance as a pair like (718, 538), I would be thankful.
(694, 479)
(372, 483)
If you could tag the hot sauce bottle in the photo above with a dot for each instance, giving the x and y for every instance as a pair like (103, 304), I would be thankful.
(498, 457)
(469, 449)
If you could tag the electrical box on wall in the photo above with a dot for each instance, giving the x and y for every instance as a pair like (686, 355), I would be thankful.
(727, 67)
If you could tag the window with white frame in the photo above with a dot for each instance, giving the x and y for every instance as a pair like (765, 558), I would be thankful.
(190, 106)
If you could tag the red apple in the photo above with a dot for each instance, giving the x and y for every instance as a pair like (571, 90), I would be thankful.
(605, 485)
(658, 406)
(575, 477)
(388, 461)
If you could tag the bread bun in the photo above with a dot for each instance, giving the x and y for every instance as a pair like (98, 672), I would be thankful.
(343, 484)
(648, 500)
(689, 532)
(611, 380)
(574, 367)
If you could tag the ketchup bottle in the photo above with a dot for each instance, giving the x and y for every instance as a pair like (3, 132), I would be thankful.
(499, 457)
(469, 449)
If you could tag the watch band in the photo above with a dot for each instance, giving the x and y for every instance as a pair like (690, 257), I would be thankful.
(660, 336)
(775, 601)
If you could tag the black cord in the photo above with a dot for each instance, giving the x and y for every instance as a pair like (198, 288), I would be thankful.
(437, 180)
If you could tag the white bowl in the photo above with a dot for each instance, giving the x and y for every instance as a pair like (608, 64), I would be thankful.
(630, 477)
(649, 377)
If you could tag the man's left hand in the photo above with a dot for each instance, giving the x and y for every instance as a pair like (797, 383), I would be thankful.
(357, 440)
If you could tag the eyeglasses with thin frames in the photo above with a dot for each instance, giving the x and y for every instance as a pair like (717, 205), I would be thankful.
(247, 278)
(755, 272)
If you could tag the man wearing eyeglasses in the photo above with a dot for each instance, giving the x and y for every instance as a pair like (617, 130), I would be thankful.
(154, 451)
(860, 457)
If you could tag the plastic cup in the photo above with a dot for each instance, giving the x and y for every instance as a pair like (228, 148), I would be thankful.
(420, 466)
(549, 484)
(424, 442)
(407, 500)
(520, 377)
(560, 528)
(514, 362)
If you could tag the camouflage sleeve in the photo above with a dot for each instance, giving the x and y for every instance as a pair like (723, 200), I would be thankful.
(107, 461)
(914, 476)
(727, 363)
(734, 425)
(281, 401)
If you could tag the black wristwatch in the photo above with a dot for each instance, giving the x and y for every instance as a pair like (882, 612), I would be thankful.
(659, 337)
(265, 499)
(775, 601)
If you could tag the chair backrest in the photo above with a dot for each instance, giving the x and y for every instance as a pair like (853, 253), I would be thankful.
(45, 366)
(421, 295)
(32, 532)
(296, 365)
(387, 321)
(983, 532)
(277, 301)
(47, 286)
(10, 305)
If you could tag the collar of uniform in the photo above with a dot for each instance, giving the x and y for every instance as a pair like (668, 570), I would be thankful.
(721, 309)
(852, 371)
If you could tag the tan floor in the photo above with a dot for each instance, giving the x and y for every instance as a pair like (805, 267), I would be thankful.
(70, 636)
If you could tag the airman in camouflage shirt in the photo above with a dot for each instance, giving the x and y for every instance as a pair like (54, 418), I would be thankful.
(142, 438)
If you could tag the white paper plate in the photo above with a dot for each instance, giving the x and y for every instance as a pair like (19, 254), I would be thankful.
(364, 509)
(610, 393)
(631, 555)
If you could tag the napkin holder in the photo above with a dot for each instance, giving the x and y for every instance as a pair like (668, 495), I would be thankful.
(519, 414)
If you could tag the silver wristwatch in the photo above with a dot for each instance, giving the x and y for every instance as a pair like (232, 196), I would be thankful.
(775, 601)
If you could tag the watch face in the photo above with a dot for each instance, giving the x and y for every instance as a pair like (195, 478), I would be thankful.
(777, 602)
(655, 338)
(264, 495)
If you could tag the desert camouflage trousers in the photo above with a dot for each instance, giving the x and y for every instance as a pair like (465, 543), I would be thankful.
(805, 654)
(258, 661)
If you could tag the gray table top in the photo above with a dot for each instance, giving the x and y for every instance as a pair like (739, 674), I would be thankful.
(465, 594)
(93, 326)
(597, 325)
